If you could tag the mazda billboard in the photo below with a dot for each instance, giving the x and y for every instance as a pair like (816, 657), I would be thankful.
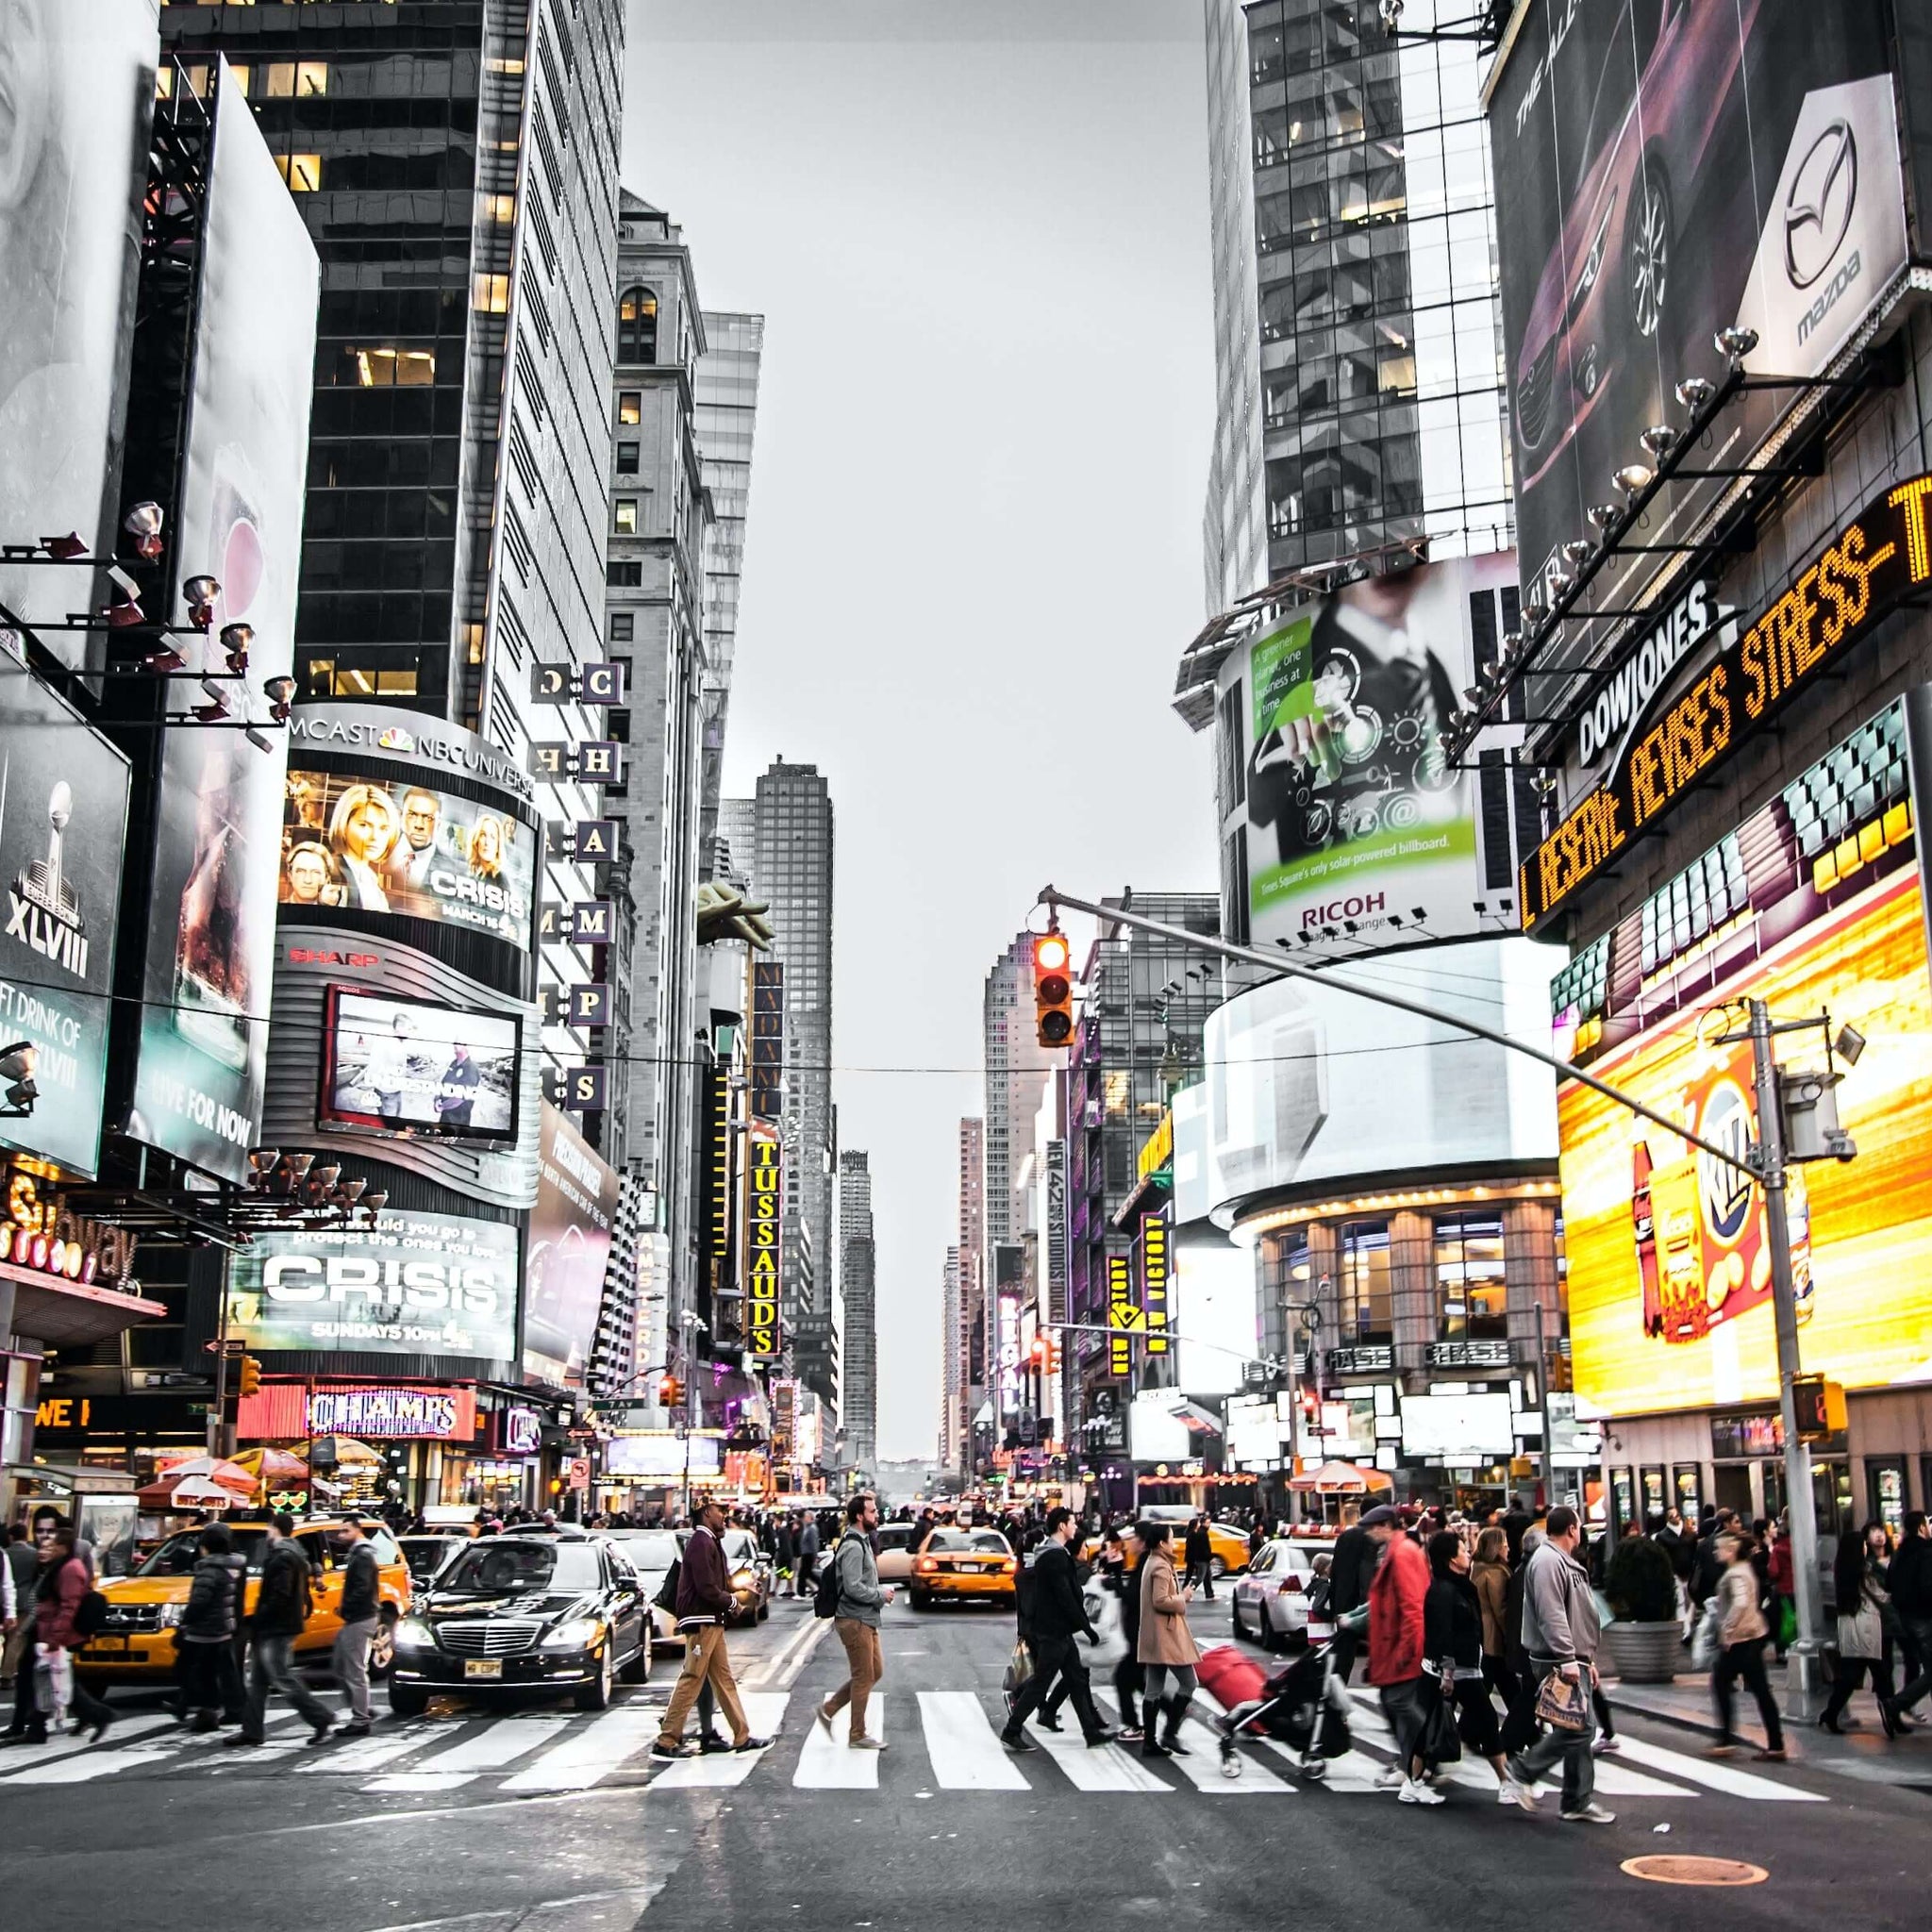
(1666, 169)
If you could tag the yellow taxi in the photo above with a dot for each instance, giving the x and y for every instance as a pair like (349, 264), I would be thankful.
(135, 1643)
(1227, 1544)
(955, 1563)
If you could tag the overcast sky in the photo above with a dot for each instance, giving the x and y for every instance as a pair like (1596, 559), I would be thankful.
(979, 232)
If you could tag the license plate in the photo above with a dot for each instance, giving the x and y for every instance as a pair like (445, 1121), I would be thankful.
(483, 1667)
(95, 1645)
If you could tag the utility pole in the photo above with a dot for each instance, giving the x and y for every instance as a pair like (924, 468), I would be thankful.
(1542, 1376)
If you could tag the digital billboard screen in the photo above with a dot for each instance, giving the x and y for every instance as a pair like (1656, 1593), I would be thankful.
(1457, 1428)
(570, 1245)
(413, 1283)
(1663, 171)
(664, 1456)
(1669, 1260)
(375, 841)
(210, 941)
(63, 818)
(77, 81)
(1353, 810)
(394, 1065)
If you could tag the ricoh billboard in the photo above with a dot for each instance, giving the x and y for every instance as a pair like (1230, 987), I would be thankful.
(1665, 170)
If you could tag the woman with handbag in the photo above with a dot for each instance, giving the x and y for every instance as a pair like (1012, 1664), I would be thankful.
(1490, 1573)
(1742, 1633)
(1453, 1629)
(1166, 1646)
(1862, 1601)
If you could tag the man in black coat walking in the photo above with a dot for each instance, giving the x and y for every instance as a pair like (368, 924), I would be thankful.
(1055, 1617)
(1356, 1552)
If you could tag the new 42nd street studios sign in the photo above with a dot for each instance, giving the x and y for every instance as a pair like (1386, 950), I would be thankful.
(1864, 572)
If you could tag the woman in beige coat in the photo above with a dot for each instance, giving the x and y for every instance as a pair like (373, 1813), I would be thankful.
(1166, 1648)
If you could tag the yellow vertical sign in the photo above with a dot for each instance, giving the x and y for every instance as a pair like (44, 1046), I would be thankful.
(1154, 1280)
(763, 1211)
(1123, 1315)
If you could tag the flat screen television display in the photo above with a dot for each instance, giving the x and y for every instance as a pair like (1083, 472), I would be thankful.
(403, 1066)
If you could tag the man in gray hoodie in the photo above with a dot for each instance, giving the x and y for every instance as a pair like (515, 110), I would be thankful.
(860, 1599)
(1559, 1638)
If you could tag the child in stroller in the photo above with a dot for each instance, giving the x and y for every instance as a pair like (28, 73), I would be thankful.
(1303, 1704)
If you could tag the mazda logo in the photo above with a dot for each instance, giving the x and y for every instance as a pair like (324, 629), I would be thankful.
(1819, 209)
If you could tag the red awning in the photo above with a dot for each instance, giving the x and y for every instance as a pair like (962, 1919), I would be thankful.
(67, 1314)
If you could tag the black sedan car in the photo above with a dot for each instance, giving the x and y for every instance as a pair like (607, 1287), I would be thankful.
(524, 1613)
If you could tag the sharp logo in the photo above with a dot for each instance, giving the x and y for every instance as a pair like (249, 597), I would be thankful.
(1819, 209)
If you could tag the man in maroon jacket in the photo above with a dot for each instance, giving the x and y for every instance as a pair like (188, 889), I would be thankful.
(1395, 1646)
(704, 1605)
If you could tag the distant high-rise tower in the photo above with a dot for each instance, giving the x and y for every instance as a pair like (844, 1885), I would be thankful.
(950, 1379)
(791, 867)
(858, 1291)
(971, 1337)
(1357, 338)
(1016, 1070)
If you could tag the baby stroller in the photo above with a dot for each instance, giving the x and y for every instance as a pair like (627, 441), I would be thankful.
(1302, 1705)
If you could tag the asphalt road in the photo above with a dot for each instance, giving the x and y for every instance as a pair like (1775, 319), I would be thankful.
(545, 1819)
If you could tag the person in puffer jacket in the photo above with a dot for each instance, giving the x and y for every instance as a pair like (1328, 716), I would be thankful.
(210, 1677)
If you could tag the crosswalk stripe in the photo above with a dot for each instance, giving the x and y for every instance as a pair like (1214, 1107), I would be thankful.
(1201, 1766)
(501, 1741)
(1097, 1768)
(965, 1749)
(829, 1764)
(422, 1782)
(87, 1766)
(1719, 1777)
(591, 1755)
(28, 1757)
(370, 1753)
(764, 1711)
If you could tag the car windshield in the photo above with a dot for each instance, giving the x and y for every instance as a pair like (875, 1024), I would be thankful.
(740, 1548)
(654, 1550)
(494, 1568)
(179, 1556)
(424, 1554)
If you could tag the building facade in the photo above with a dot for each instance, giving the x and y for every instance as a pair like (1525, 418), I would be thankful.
(972, 1280)
(859, 1312)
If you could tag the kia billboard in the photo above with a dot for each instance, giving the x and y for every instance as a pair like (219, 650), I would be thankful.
(413, 1283)
(570, 1243)
(1664, 170)
(76, 98)
(63, 818)
(1359, 830)
(210, 942)
(1815, 906)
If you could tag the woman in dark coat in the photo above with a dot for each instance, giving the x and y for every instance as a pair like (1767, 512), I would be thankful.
(1453, 1655)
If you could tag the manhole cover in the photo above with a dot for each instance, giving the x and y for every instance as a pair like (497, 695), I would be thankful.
(1681, 1870)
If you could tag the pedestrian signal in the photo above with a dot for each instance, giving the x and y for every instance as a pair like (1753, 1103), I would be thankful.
(1052, 990)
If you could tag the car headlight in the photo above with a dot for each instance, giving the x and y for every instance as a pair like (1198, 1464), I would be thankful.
(577, 1633)
(169, 1615)
(413, 1633)
(1593, 259)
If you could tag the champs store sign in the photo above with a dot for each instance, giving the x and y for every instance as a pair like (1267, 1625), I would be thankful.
(764, 1207)
(1873, 564)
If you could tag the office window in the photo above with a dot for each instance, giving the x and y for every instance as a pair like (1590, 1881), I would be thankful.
(391, 368)
(285, 79)
(627, 516)
(1471, 1300)
(303, 173)
(491, 295)
(623, 626)
(627, 458)
(637, 326)
(1362, 1267)
(630, 406)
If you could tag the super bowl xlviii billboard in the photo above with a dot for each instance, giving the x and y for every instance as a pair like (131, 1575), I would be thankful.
(1665, 170)
(63, 816)
(414, 1283)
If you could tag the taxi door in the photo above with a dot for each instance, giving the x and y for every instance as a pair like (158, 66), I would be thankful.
(325, 1591)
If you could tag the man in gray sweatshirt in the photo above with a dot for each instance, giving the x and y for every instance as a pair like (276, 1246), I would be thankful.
(1559, 1637)
(860, 1599)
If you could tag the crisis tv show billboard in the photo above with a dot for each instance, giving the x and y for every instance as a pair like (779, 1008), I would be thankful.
(77, 84)
(570, 1245)
(1814, 906)
(1353, 811)
(1666, 169)
(374, 841)
(63, 818)
(403, 1066)
(414, 1284)
(211, 944)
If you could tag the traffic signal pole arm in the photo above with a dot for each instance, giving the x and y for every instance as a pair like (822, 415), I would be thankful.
(1113, 915)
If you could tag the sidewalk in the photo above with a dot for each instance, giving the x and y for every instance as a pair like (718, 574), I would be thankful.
(1863, 1753)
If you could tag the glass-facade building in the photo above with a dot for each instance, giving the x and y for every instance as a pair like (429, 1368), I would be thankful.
(1357, 334)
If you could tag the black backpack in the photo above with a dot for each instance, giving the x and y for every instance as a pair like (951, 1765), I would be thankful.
(825, 1595)
(90, 1614)
(666, 1599)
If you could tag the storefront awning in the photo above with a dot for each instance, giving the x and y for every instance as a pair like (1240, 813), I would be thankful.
(68, 1314)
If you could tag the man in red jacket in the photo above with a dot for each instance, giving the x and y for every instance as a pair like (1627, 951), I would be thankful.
(1395, 1647)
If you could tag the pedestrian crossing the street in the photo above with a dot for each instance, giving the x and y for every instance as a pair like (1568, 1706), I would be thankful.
(941, 1741)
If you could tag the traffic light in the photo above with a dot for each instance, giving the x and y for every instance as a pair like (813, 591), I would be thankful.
(1052, 990)
(671, 1392)
(250, 1381)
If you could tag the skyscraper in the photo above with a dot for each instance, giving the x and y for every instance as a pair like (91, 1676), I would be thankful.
(726, 397)
(791, 867)
(654, 620)
(950, 1379)
(858, 1291)
(1359, 392)
(971, 1337)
